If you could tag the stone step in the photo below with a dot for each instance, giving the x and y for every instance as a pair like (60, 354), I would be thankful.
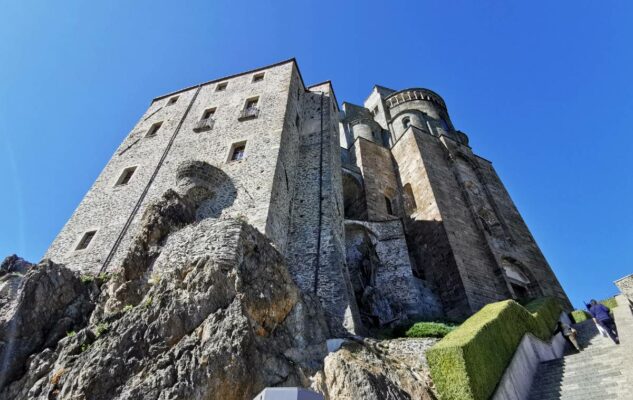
(600, 371)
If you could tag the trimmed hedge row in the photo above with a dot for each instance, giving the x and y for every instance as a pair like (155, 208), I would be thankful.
(470, 361)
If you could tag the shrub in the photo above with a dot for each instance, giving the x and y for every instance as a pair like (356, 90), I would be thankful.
(127, 308)
(469, 362)
(611, 302)
(71, 333)
(87, 278)
(429, 329)
(101, 329)
(579, 315)
(103, 277)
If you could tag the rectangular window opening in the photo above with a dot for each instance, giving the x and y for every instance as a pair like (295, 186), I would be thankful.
(221, 86)
(208, 113)
(154, 129)
(125, 177)
(250, 109)
(85, 240)
(237, 151)
(258, 77)
(172, 101)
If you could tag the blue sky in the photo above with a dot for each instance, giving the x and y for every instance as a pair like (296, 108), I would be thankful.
(543, 89)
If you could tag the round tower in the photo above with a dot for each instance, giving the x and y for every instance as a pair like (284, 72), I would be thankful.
(423, 109)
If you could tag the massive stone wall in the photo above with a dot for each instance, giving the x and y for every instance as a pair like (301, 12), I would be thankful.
(382, 277)
(255, 178)
(316, 248)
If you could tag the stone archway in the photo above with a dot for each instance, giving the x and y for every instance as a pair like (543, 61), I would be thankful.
(520, 279)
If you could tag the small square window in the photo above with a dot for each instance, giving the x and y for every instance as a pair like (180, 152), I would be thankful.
(208, 113)
(258, 77)
(237, 151)
(221, 86)
(125, 177)
(172, 101)
(154, 129)
(85, 240)
(251, 103)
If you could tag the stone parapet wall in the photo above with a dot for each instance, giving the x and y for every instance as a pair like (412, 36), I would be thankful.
(626, 286)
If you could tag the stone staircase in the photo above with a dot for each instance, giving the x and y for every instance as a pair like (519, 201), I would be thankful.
(603, 370)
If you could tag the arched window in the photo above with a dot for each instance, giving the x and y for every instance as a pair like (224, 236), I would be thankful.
(406, 121)
(409, 200)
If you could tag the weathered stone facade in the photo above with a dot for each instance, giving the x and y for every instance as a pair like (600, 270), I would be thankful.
(404, 221)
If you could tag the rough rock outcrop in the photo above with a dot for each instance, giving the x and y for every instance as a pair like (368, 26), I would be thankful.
(199, 311)
(36, 310)
(377, 370)
(196, 310)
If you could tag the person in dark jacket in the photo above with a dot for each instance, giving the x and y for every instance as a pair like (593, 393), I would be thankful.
(569, 333)
(602, 316)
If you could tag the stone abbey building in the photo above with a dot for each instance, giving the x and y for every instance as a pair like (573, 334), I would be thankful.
(383, 211)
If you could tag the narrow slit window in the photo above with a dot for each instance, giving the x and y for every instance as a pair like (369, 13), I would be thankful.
(388, 205)
(297, 121)
(237, 153)
(258, 77)
(221, 86)
(154, 129)
(172, 101)
(85, 240)
(125, 177)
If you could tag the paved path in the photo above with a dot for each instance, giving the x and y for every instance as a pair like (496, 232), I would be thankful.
(602, 370)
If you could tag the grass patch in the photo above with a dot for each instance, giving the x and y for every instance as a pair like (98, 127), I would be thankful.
(469, 362)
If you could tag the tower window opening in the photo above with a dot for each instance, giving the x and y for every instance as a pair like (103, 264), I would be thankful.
(297, 121)
(406, 122)
(238, 151)
(85, 240)
(125, 177)
(172, 101)
(154, 129)
(444, 124)
(221, 86)
(258, 77)
(250, 109)
(208, 113)
(388, 205)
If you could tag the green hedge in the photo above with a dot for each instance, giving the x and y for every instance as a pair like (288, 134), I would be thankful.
(469, 362)
(580, 315)
(429, 329)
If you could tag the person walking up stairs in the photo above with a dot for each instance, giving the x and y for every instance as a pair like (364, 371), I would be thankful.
(603, 370)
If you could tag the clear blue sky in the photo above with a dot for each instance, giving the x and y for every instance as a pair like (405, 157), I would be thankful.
(543, 89)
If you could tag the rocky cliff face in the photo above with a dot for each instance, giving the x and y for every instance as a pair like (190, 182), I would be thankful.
(198, 310)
